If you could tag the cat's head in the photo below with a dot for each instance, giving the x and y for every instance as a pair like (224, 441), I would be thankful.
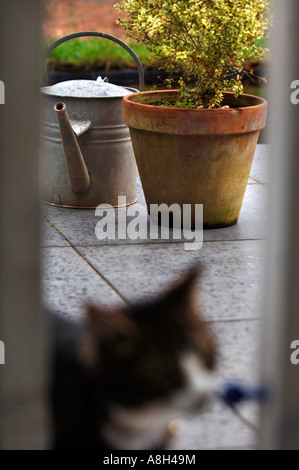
(159, 351)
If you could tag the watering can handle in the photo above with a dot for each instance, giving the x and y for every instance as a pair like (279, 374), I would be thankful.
(105, 36)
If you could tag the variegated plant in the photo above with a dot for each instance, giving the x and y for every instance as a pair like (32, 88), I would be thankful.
(209, 40)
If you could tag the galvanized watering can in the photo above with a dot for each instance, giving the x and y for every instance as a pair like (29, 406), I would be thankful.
(86, 152)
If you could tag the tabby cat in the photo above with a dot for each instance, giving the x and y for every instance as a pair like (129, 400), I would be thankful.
(121, 375)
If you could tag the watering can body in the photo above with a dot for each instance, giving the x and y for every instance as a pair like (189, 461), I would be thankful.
(105, 146)
(86, 155)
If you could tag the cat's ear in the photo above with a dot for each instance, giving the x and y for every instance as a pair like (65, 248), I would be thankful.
(182, 295)
(104, 324)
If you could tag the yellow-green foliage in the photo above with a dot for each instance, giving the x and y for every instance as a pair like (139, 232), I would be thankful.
(204, 38)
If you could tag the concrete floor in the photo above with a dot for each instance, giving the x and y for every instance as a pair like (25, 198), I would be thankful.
(79, 268)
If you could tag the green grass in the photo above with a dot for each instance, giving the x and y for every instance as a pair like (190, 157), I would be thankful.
(261, 91)
(94, 53)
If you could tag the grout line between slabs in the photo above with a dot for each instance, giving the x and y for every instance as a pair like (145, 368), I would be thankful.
(254, 181)
(259, 182)
(162, 242)
(123, 298)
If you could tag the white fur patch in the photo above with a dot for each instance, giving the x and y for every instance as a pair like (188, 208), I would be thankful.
(138, 429)
(200, 382)
(144, 427)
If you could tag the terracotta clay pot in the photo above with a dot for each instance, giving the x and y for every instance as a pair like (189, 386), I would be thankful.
(195, 156)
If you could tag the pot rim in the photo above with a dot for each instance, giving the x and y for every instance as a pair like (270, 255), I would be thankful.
(194, 121)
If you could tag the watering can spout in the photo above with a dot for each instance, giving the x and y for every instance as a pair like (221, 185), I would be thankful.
(77, 170)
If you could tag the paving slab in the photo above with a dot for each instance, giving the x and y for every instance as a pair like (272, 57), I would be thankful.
(231, 285)
(68, 283)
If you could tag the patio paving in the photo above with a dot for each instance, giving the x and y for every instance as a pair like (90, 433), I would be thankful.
(78, 268)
